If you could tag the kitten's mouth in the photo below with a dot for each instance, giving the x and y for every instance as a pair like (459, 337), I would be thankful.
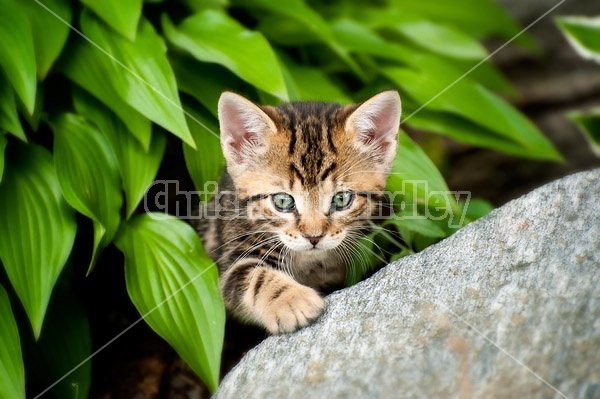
(312, 251)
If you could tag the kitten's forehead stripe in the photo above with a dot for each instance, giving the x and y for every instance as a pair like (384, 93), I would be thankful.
(297, 173)
(328, 171)
(310, 127)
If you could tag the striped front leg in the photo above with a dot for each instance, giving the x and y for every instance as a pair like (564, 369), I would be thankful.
(269, 297)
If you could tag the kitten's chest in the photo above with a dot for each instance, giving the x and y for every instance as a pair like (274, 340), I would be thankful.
(318, 272)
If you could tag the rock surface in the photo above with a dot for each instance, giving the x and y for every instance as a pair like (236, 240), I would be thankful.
(507, 307)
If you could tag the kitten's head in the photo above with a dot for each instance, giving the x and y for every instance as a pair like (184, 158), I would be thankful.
(312, 172)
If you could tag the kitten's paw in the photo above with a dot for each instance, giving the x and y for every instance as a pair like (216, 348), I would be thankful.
(292, 307)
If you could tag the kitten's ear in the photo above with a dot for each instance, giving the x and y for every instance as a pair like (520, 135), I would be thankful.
(243, 128)
(376, 122)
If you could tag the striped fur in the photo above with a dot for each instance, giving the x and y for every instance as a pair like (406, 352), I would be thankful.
(271, 271)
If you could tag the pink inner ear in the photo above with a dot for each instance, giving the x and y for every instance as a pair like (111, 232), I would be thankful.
(238, 133)
(376, 123)
(379, 130)
(233, 127)
(242, 125)
(377, 119)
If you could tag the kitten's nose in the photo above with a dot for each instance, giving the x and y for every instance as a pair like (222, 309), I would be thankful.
(314, 240)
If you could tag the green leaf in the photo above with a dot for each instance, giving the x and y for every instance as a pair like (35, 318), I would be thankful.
(174, 285)
(205, 165)
(140, 73)
(16, 47)
(64, 344)
(213, 36)
(199, 5)
(49, 33)
(486, 74)
(12, 373)
(37, 228)
(465, 131)
(34, 120)
(475, 103)
(287, 31)
(86, 66)
(301, 14)
(476, 208)
(441, 39)
(9, 118)
(474, 17)
(583, 33)
(203, 81)
(88, 174)
(415, 180)
(416, 223)
(361, 39)
(312, 83)
(136, 166)
(122, 16)
(2, 148)
(589, 124)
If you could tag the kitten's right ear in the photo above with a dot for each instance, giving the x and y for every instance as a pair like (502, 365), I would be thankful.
(243, 128)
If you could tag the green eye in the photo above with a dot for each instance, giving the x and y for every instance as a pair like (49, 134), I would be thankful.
(283, 202)
(342, 200)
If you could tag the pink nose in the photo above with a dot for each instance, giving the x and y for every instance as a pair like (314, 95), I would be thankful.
(314, 240)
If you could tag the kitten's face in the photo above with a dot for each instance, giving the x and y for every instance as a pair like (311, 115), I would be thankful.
(314, 171)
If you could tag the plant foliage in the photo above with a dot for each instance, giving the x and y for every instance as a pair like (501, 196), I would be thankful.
(584, 35)
(92, 92)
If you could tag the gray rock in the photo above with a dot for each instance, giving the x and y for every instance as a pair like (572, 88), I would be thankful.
(508, 307)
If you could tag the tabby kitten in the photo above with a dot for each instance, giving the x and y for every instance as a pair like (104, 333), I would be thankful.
(302, 181)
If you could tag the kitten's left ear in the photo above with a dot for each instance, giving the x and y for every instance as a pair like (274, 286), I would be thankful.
(376, 122)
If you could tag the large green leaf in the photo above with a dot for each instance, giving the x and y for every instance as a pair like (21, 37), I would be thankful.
(416, 181)
(465, 131)
(2, 147)
(88, 174)
(174, 285)
(206, 164)
(136, 166)
(442, 39)
(475, 17)
(475, 103)
(34, 119)
(584, 35)
(65, 343)
(300, 14)
(140, 73)
(12, 373)
(213, 36)
(122, 16)
(9, 118)
(359, 38)
(589, 124)
(287, 31)
(16, 47)
(203, 81)
(37, 228)
(198, 5)
(486, 74)
(310, 83)
(415, 223)
(49, 32)
(85, 65)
